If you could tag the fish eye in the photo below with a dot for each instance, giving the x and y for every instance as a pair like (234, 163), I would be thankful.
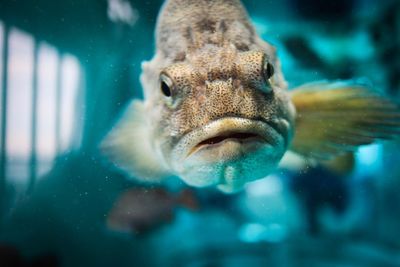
(165, 89)
(268, 70)
(166, 85)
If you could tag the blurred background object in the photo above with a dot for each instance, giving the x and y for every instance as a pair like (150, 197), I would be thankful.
(140, 210)
(11, 257)
(67, 70)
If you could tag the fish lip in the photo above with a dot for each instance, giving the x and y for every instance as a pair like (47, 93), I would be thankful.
(264, 131)
(228, 136)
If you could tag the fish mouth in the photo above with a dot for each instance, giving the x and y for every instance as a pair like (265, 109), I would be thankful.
(218, 140)
(230, 134)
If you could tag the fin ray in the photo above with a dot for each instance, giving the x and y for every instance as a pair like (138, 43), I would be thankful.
(336, 118)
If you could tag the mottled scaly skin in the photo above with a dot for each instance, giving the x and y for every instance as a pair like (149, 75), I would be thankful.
(211, 51)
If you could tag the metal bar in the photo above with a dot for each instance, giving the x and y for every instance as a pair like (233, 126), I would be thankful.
(58, 105)
(33, 156)
(3, 144)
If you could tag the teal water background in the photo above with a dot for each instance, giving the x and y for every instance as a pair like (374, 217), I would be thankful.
(69, 68)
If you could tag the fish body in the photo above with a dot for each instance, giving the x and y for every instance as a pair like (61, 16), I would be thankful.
(216, 109)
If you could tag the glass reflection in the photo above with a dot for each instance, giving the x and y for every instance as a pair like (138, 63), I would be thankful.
(19, 106)
(70, 80)
(46, 113)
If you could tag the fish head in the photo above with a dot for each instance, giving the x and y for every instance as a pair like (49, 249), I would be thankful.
(223, 117)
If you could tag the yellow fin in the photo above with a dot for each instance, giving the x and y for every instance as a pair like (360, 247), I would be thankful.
(333, 118)
(128, 146)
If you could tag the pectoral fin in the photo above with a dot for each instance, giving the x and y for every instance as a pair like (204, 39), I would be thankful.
(337, 118)
(128, 146)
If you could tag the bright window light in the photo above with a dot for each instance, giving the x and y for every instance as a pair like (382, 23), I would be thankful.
(1, 72)
(272, 185)
(369, 160)
(46, 108)
(122, 11)
(57, 111)
(19, 105)
(70, 81)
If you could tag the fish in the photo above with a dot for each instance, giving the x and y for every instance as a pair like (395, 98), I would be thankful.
(139, 210)
(218, 112)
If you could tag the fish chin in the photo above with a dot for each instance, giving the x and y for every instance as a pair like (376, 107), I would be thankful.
(231, 172)
(228, 153)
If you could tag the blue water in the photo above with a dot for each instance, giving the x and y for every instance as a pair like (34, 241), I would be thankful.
(57, 191)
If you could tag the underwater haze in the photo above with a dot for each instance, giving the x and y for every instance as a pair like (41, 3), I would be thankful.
(69, 68)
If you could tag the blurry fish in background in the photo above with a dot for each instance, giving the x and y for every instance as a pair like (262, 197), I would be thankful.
(217, 111)
(140, 210)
